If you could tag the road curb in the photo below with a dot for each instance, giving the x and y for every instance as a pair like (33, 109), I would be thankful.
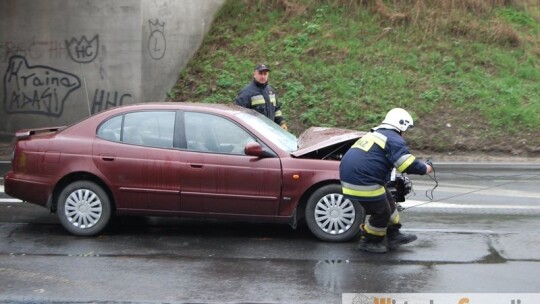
(486, 166)
(4, 167)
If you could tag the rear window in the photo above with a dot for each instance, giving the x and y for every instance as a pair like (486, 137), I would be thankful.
(146, 128)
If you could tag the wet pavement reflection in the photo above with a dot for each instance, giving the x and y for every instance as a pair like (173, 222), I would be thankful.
(486, 242)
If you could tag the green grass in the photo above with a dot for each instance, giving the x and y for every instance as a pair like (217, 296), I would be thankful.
(342, 65)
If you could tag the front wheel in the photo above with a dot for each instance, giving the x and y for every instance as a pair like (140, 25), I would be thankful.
(84, 208)
(331, 217)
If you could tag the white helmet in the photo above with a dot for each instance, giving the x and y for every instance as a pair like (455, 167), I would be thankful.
(399, 119)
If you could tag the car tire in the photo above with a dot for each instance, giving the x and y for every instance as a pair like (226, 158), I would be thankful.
(331, 217)
(84, 208)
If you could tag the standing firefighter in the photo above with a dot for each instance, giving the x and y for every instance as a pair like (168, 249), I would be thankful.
(260, 96)
(364, 171)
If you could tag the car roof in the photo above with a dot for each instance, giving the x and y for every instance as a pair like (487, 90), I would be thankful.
(210, 107)
(181, 105)
(229, 110)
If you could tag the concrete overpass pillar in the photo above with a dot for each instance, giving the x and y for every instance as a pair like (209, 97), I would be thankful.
(63, 60)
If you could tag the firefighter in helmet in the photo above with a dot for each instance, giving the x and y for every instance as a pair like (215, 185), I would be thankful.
(364, 171)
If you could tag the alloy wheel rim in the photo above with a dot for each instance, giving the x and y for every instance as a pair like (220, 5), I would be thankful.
(334, 214)
(83, 208)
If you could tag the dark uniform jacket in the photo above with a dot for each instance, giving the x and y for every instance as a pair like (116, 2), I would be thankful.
(366, 167)
(263, 99)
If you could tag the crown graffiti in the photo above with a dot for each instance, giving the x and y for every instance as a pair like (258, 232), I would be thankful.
(156, 26)
(83, 42)
(83, 50)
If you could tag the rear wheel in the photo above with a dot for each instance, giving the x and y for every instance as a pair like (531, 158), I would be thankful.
(331, 217)
(84, 208)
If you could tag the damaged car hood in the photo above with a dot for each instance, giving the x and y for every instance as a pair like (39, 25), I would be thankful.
(330, 140)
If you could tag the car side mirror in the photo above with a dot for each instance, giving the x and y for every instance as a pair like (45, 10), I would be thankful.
(255, 149)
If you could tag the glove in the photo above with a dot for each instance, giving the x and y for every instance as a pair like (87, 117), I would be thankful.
(429, 167)
(284, 126)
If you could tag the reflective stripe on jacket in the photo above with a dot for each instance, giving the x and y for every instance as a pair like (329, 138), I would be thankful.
(261, 98)
(366, 166)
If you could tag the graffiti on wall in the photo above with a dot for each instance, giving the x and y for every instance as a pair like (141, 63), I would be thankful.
(104, 99)
(83, 50)
(36, 89)
(33, 49)
(157, 45)
(79, 50)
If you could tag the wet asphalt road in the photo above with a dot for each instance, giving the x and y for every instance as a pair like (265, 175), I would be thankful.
(480, 235)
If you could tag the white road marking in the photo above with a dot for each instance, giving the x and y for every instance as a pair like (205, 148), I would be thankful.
(423, 204)
(10, 200)
(476, 190)
(406, 204)
(453, 230)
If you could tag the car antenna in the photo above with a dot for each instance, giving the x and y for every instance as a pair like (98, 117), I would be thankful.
(87, 99)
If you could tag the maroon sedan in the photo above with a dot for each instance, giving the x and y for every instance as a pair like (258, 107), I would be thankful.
(181, 159)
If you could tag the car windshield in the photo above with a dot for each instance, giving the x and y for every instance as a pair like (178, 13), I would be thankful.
(270, 130)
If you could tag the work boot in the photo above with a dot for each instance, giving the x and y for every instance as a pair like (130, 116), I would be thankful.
(395, 238)
(372, 243)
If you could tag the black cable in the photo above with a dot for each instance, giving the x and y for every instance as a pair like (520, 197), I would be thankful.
(461, 194)
(434, 178)
(466, 193)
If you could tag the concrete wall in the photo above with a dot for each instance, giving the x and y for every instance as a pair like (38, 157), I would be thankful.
(62, 60)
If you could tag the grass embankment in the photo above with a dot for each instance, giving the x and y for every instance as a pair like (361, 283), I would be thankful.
(468, 70)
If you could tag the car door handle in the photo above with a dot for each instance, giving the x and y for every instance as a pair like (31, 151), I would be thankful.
(196, 165)
(107, 157)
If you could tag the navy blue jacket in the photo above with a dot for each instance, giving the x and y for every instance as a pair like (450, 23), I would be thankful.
(366, 167)
(263, 99)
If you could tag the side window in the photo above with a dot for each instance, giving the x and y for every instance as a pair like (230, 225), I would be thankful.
(149, 128)
(111, 129)
(211, 133)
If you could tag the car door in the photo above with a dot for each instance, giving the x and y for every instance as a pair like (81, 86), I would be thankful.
(219, 177)
(135, 153)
